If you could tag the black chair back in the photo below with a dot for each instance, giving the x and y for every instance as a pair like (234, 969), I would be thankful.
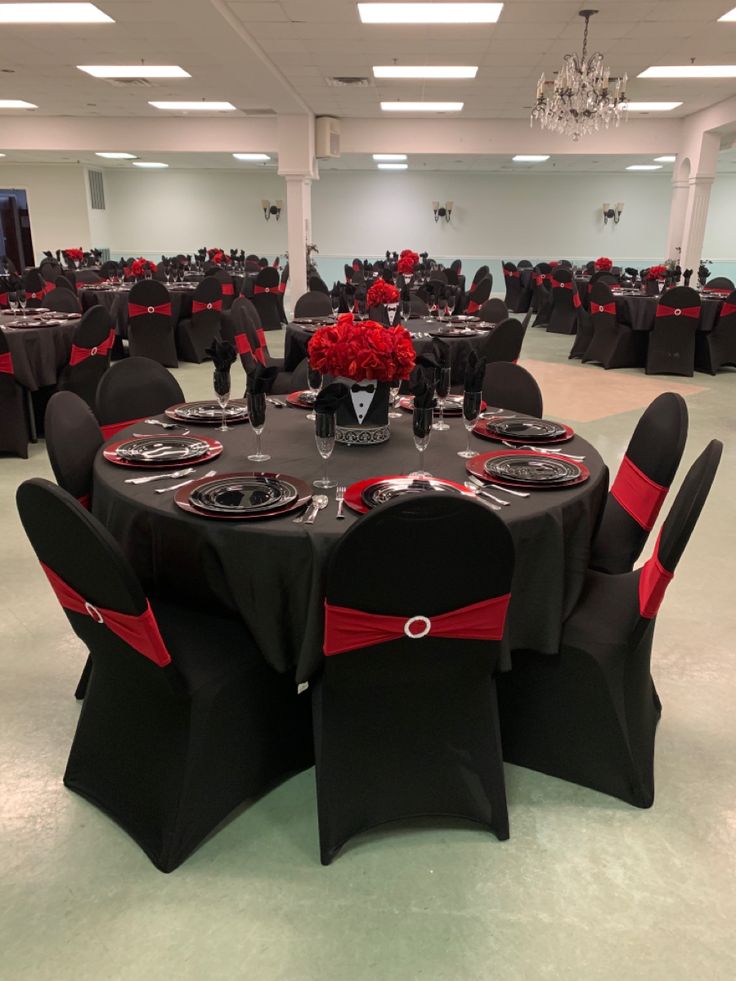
(87, 276)
(109, 269)
(73, 437)
(134, 389)
(509, 386)
(92, 346)
(672, 339)
(565, 303)
(318, 285)
(482, 272)
(493, 311)
(314, 303)
(267, 298)
(64, 283)
(227, 285)
(504, 343)
(479, 294)
(36, 288)
(62, 300)
(512, 278)
(194, 336)
(720, 283)
(150, 323)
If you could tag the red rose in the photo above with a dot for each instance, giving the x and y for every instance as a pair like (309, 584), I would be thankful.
(603, 264)
(381, 292)
(362, 351)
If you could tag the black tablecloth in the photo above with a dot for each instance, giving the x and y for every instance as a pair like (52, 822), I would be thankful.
(116, 302)
(272, 571)
(39, 353)
(640, 311)
(297, 339)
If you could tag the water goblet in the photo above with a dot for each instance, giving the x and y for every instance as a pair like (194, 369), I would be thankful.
(257, 414)
(222, 391)
(394, 388)
(406, 308)
(13, 302)
(421, 430)
(471, 411)
(324, 436)
(22, 299)
(314, 381)
(443, 390)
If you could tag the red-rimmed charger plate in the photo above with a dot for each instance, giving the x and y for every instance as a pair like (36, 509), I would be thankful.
(295, 399)
(173, 413)
(476, 467)
(453, 409)
(354, 493)
(481, 429)
(304, 491)
(111, 455)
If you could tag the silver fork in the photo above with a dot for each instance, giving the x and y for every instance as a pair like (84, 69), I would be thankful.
(550, 451)
(160, 476)
(482, 485)
(163, 425)
(164, 490)
(340, 498)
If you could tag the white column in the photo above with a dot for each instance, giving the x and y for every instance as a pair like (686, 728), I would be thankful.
(678, 208)
(696, 216)
(299, 230)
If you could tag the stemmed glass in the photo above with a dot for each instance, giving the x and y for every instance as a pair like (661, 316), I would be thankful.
(394, 388)
(471, 411)
(441, 308)
(324, 436)
(406, 308)
(421, 430)
(14, 303)
(22, 300)
(257, 414)
(443, 390)
(222, 391)
(314, 381)
(335, 303)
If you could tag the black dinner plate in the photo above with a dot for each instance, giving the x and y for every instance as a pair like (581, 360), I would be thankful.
(529, 430)
(162, 449)
(244, 494)
(389, 488)
(209, 412)
(532, 468)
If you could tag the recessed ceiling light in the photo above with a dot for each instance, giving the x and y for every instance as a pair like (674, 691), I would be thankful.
(134, 71)
(201, 106)
(422, 106)
(530, 158)
(149, 164)
(3, 154)
(386, 166)
(644, 167)
(651, 106)
(389, 156)
(670, 158)
(16, 104)
(425, 71)
(429, 13)
(52, 13)
(251, 156)
(114, 155)
(689, 71)
(730, 16)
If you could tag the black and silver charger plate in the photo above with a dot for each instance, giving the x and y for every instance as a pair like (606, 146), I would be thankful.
(389, 488)
(208, 413)
(244, 496)
(162, 449)
(526, 430)
(519, 468)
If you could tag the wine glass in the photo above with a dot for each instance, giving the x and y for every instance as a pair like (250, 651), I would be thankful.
(22, 299)
(421, 430)
(406, 308)
(222, 391)
(471, 411)
(314, 381)
(394, 388)
(442, 307)
(335, 303)
(13, 302)
(443, 390)
(257, 415)
(324, 436)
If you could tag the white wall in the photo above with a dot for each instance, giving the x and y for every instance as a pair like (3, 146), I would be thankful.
(720, 232)
(57, 203)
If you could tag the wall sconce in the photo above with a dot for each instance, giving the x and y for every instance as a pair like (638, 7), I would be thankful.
(272, 209)
(442, 212)
(612, 214)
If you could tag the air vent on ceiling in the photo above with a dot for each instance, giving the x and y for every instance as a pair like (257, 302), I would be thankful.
(123, 83)
(345, 81)
(96, 190)
(258, 112)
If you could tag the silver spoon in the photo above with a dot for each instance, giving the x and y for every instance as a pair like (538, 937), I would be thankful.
(319, 502)
(487, 493)
(482, 496)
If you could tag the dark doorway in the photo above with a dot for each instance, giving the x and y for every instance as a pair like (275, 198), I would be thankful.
(15, 228)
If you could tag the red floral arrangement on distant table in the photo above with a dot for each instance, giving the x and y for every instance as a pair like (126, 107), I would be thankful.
(76, 255)
(139, 267)
(381, 292)
(219, 257)
(362, 351)
(603, 264)
(407, 263)
(553, 264)
(657, 272)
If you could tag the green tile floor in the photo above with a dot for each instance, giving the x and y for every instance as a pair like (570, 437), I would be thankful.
(587, 887)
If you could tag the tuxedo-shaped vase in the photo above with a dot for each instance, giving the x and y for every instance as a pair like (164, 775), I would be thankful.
(362, 418)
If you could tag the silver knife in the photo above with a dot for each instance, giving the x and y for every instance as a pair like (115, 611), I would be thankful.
(164, 490)
(160, 476)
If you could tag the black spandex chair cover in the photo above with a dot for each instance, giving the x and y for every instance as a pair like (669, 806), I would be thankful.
(94, 337)
(721, 284)
(73, 438)
(671, 348)
(589, 714)
(716, 348)
(131, 391)
(36, 288)
(584, 334)
(15, 431)
(509, 386)
(542, 295)
(64, 283)
(512, 279)
(478, 295)
(268, 298)
(504, 343)
(318, 285)
(150, 324)
(643, 479)
(195, 335)
(613, 344)
(406, 726)
(314, 303)
(62, 300)
(563, 317)
(493, 311)
(227, 285)
(183, 719)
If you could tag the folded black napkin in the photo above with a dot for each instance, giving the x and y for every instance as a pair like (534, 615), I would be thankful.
(423, 391)
(261, 379)
(441, 351)
(223, 354)
(687, 276)
(330, 398)
(475, 369)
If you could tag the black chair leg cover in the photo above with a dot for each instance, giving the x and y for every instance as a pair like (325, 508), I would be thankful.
(583, 337)
(81, 689)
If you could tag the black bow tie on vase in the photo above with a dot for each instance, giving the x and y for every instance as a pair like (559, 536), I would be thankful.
(363, 388)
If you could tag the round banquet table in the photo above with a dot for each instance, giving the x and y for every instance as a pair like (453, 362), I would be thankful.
(297, 339)
(116, 301)
(39, 353)
(271, 572)
(640, 311)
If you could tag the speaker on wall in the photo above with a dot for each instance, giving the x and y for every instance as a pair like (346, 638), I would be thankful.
(326, 137)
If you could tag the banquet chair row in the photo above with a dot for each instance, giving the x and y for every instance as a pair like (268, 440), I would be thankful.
(16, 429)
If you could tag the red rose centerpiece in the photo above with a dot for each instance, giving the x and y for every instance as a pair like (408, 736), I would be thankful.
(139, 268)
(603, 264)
(367, 357)
(74, 255)
(408, 262)
(383, 294)
(219, 257)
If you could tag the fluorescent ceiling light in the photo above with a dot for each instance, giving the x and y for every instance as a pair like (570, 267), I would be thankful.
(730, 16)
(392, 166)
(422, 106)
(114, 155)
(201, 106)
(16, 104)
(134, 71)
(530, 158)
(149, 164)
(389, 156)
(669, 159)
(644, 167)
(651, 106)
(689, 71)
(425, 71)
(3, 154)
(52, 13)
(429, 13)
(251, 156)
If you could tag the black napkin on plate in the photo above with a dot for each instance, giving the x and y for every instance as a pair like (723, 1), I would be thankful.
(687, 276)
(223, 354)
(423, 390)
(330, 397)
(261, 379)
(475, 370)
(441, 351)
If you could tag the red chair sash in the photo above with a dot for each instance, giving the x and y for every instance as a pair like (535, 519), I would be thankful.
(665, 311)
(39, 294)
(726, 310)
(113, 428)
(138, 310)
(243, 344)
(349, 630)
(139, 632)
(85, 500)
(260, 353)
(508, 273)
(4, 301)
(198, 306)
(80, 354)
(6, 364)
(576, 301)
(270, 289)
(603, 308)
(638, 494)
(472, 306)
(228, 289)
(653, 582)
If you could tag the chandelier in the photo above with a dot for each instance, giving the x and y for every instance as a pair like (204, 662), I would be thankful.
(583, 98)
